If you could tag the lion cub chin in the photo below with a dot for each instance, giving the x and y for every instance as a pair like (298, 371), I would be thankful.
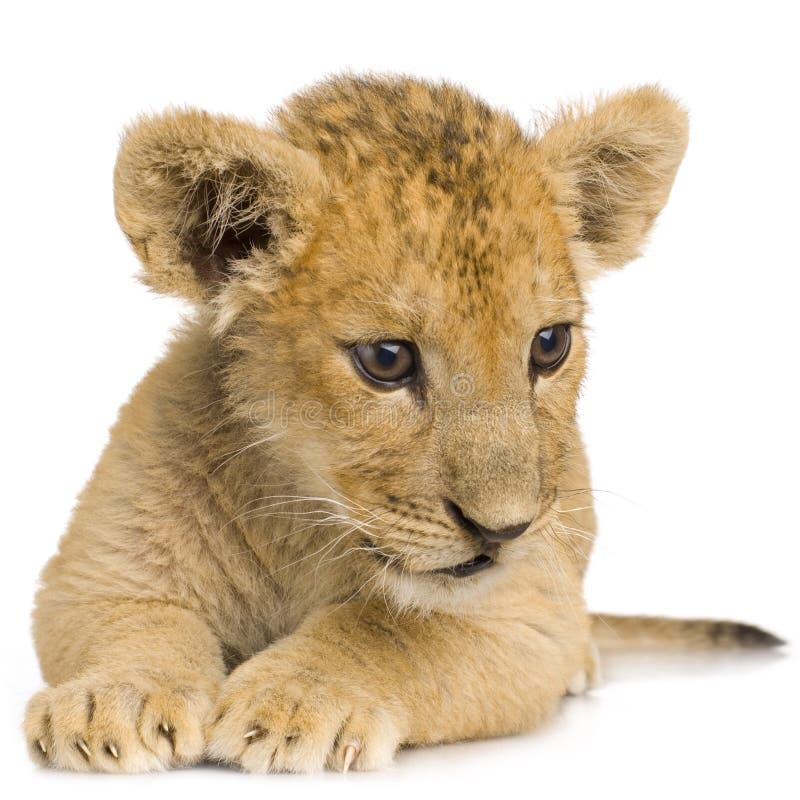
(348, 510)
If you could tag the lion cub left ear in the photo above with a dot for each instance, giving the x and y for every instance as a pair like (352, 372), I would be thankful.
(205, 199)
(610, 171)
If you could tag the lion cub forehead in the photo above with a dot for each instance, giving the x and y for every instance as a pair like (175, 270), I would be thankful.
(402, 269)
(431, 300)
(402, 124)
(440, 209)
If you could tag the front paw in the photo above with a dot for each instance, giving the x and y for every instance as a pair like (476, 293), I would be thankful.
(118, 723)
(274, 718)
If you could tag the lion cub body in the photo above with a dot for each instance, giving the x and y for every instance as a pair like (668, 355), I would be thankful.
(261, 567)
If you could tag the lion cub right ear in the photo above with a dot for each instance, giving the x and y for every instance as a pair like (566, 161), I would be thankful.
(610, 170)
(204, 198)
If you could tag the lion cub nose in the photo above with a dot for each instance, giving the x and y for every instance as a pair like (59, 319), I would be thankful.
(505, 534)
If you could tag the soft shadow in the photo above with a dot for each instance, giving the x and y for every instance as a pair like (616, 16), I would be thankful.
(626, 665)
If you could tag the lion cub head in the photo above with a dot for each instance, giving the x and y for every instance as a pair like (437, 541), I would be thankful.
(396, 272)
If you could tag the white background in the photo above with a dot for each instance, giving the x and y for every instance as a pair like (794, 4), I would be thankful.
(689, 411)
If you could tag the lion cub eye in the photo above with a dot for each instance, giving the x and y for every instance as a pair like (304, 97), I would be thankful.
(550, 347)
(388, 364)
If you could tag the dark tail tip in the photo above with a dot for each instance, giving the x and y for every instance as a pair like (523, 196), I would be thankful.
(751, 636)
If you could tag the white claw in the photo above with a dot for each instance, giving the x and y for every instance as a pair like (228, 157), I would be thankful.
(84, 748)
(42, 746)
(165, 728)
(351, 751)
(112, 748)
(254, 732)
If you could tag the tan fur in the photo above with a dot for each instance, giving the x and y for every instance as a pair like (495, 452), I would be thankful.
(261, 509)
(612, 632)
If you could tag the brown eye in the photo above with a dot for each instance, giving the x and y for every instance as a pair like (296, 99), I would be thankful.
(550, 347)
(389, 364)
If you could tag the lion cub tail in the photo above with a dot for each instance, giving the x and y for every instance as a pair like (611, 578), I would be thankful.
(612, 632)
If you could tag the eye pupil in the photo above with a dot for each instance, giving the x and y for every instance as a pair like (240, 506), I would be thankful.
(548, 340)
(387, 354)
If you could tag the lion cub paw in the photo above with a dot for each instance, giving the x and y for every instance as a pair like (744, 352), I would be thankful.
(125, 724)
(299, 722)
(590, 676)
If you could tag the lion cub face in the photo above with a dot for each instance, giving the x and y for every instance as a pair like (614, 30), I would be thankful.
(434, 353)
(397, 272)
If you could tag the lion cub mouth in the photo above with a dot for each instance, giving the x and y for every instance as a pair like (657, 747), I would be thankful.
(477, 564)
(463, 570)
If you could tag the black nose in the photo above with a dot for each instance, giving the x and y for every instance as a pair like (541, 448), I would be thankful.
(482, 532)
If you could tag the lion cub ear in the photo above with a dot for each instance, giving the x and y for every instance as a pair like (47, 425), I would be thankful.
(610, 171)
(201, 197)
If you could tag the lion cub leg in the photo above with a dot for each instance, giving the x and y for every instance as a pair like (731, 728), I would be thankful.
(354, 683)
(131, 684)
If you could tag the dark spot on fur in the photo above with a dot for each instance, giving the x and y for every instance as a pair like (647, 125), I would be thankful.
(453, 133)
(450, 154)
(481, 202)
(443, 182)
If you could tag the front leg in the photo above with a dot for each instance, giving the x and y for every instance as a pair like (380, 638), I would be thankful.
(354, 683)
(131, 685)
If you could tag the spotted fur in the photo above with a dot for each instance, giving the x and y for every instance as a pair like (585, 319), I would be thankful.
(257, 570)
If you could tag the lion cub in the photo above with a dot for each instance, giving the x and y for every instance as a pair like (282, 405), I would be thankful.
(348, 510)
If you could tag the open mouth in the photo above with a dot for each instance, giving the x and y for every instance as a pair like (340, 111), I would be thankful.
(463, 570)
